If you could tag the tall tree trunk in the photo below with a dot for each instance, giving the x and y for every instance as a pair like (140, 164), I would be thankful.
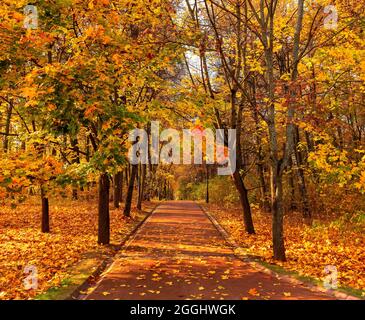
(294, 93)
(129, 197)
(276, 172)
(118, 185)
(243, 194)
(265, 203)
(236, 122)
(127, 176)
(104, 218)
(45, 211)
(75, 145)
(141, 186)
(278, 214)
(301, 177)
(207, 185)
(292, 201)
(264, 188)
(121, 186)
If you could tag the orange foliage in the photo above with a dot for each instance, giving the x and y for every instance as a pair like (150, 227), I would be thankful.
(309, 248)
(73, 233)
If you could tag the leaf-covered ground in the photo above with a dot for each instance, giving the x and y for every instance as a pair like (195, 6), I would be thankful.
(73, 233)
(309, 248)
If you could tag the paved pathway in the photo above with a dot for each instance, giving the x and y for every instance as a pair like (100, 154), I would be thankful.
(179, 254)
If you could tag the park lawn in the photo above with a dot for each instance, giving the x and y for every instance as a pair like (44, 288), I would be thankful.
(73, 235)
(309, 248)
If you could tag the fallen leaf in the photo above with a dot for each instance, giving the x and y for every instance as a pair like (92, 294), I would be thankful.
(253, 292)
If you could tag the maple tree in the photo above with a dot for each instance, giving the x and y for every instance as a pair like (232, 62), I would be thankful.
(258, 57)
(91, 71)
(287, 75)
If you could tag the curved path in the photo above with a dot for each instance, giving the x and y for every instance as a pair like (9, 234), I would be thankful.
(179, 254)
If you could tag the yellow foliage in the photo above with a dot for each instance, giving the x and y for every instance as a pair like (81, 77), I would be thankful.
(309, 249)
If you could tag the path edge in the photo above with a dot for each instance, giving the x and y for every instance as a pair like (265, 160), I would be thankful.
(257, 265)
(104, 265)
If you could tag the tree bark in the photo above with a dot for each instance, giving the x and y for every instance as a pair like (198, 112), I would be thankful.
(276, 164)
(265, 202)
(141, 186)
(45, 212)
(243, 194)
(128, 200)
(265, 199)
(236, 122)
(118, 185)
(278, 214)
(104, 218)
(127, 175)
(75, 145)
(301, 177)
(207, 185)
(292, 201)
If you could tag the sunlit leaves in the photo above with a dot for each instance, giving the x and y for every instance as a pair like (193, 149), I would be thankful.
(309, 248)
